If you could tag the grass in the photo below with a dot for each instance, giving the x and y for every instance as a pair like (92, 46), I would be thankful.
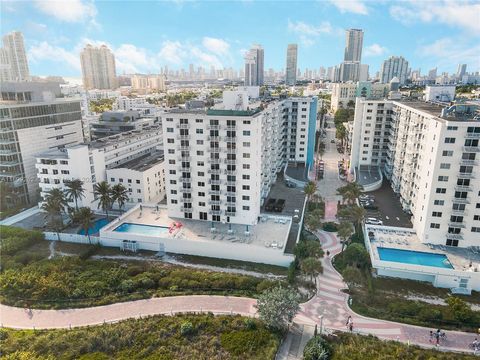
(28, 278)
(232, 264)
(158, 337)
(356, 347)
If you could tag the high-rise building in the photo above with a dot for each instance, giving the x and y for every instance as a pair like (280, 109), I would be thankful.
(432, 74)
(430, 153)
(33, 120)
(254, 66)
(394, 66)
(353, 45)
(144, 84)
(291, 69)
(13, 58)
(349, 71)
(98, 68)
(461, 71)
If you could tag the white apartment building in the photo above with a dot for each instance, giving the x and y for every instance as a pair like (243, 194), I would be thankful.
(220, 163)
(144, 84)
(344, 93)
(431, 154)
(394, 66)
(143, 177)
(90, 162)
(440, 93)
(129, 103)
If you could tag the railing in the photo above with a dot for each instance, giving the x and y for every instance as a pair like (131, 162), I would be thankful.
(230, 172)
(184, 158)
(230, 138)
(456, 224)
(461, 200)
(213, 127)
(471, 149)
(214, 160)
(214, 171)
(214, 138)
(214, 192)
(214, 182)
(183, 148)
(463, 188)
(459, 212)
(183, 126)
(183, 137)
(455, 236)
(468, 162)
(472, 135)
(230, 213)
(214, 202)
(185, 190)
(187, 210)
(230, 161)
(466, 175)
(185, 180)
(215, 212)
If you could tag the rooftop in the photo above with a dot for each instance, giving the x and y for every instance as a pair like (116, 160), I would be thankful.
(113, 139)
(463, 112)
(144, 162)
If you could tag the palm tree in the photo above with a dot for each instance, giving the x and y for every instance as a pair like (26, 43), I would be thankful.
(311, 266)
(85, 217)
(345, 230)
(350, 192)
(103, 192)
(119, 194)
(74, 190)
(54, 205)
(310, 189)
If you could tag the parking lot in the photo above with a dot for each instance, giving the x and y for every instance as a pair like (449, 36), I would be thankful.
(389, 209)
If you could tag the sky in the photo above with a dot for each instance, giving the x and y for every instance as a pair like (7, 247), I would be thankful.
(147, 35)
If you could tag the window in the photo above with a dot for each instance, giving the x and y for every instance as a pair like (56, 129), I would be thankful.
(199, 131)
(112, 179)
(246, 187)
(475, 229)
(246, 166)
(199, 121)
(170, 141)
(439, 202)
(173, 182)
(169, 129)
(436, 214)
(201, 183)
(246, 132)
(245, 197)
(245, 177)
(248, 208)
(173, 192)
(443, 178)
(447, 153)
(476, 217)
(139, 191)
(201, 203)
(434, 226)
(246, 144)
(441, 190)
(444, 166)
(171, 162)
(171, 151)
(246, 155)
(451, 242)
(449, 140)
(452, 127)
(201, 194)
(173, 201)
(138, 181)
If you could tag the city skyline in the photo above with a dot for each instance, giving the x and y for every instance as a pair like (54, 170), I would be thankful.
(54, 36)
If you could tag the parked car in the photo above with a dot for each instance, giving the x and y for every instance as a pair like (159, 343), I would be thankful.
(279, 205)
(270, 204)
(370, 206)
(332, 141)
(366, 197)
(373, 221)
(290, 184)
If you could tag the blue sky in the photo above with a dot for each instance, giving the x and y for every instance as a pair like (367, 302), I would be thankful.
(146, 35)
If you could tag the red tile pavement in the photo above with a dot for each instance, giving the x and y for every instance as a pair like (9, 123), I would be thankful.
(330, 302)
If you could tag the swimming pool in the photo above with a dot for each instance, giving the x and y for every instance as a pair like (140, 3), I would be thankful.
(150, 230)
(97, 225)
(414, 257)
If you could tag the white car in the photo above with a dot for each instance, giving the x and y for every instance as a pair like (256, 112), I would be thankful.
(373, 221)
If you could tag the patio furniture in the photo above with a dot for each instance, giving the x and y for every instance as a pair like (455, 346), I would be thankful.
(267, 244)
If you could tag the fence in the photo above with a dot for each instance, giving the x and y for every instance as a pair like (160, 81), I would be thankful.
(72, 238)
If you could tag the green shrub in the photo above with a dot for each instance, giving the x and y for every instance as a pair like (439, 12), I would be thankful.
(186, 328)
(243, 342)
(330, 227)
(316, 349)
(89, 252)
(292, 271)
(250, 324)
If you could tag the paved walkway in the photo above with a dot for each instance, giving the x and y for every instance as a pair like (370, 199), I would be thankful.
(20, 216)
(331, 302)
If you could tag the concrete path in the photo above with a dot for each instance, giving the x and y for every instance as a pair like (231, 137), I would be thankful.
(20, 216)
(20, 318)
(331, 304)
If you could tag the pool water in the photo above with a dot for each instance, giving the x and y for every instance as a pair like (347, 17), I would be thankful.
(150, 230)
(95, 228)
(414, 257)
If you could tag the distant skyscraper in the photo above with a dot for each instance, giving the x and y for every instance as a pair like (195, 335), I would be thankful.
(394, 66)
(13, 58)
(291, 70)
(353, 45)
(254, 60)
(98, 68)
(462, 70)
(432, 74)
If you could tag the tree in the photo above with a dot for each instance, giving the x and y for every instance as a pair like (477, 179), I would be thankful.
(351, 104)
(120, 195)
(310, 189)
(307, 248)
(350, 192)
(74, 190)
(103, 192)
(54, 206)
(341, 133)
(357, 256)
(345, 230)
(313, 220)
(85, 217)
(311, 267)
(317, 348)
(277, 307)
(460, 309)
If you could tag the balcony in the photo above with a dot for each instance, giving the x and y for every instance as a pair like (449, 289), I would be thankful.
(461, 200)
(185, 190)
(463, 188)
(471, 149)
(455, 236)
(470, 135)
(230, 161)
(231, 182)
(214, 160)
(214, 202)
(183, 126)
(456, 225)
(214, 192)
(231, 193)
(214, 171)
(214, 138)
(230, 172)
(230, 138)
(231, 127)
(466, 175)
(214, 150)
(231, 151)
(184, 158)
(230, 213)
(459, 212)
(183, 148)
(215, 212)
(213, 127)
(183, 137)
(468, 162)
(214, 182)
(185, 180)
(187, 210)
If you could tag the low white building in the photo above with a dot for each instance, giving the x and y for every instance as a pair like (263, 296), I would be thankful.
(143, 177)
(444, 93)
(344, 93)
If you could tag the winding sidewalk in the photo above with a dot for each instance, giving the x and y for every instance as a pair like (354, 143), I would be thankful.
(330, 302)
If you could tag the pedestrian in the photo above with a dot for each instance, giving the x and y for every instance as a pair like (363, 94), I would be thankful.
(437, 338)
(431, 337)
(349, 321)
(351, 327)
(328, 253)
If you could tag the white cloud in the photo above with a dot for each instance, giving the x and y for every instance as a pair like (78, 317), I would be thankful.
(462, 14)
(353, 6)
(375, 50)
(206, 58)
(172, 52)
(43, 51)
(447, 51)
(73, 11)
(131, 59)
(216, 46)
(307, 32)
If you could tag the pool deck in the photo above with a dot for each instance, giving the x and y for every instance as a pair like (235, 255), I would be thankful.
(406, 239)
(271, 229)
